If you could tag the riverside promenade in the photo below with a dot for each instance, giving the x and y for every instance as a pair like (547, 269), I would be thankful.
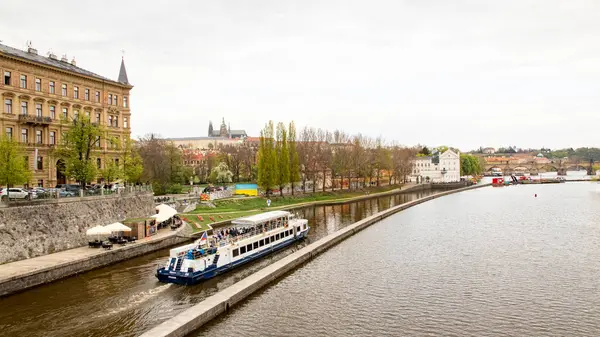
(24, 274)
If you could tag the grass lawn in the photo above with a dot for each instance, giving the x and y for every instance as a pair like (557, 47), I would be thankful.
(194, 222)
(233, 208)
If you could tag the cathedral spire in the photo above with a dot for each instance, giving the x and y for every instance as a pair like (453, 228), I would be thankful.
(210, 129)
(123, 73)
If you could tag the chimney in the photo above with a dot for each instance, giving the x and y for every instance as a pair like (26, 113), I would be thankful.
(32, 50)
(73, 62)
(64, 58)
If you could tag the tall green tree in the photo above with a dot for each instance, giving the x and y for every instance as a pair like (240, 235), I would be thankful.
(470, 165)
(267, 159)
(132, 162)
(294, 159)
(13, 167)
(111, 171)
(283, 158)
(80, 145)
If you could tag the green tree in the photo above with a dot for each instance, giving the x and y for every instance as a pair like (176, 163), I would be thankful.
(470, 165)
(425, 151)
(13, 167)
(79, 145)
(283, 158)
(294, 159)
(111, 171)
(267, 159)
(221, 174)
(132, 162)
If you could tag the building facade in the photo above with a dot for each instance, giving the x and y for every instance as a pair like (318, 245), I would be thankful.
(439, 168)
(39, 92)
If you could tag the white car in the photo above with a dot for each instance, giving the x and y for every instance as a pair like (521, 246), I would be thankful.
(16, 193)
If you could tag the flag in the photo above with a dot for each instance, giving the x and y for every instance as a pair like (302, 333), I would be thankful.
(204, 238)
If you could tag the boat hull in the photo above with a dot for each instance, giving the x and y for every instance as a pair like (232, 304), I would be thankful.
(185, 278)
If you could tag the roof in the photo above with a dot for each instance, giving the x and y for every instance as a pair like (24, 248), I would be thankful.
(197, 138)
(46, 61)
(123, 73)
(254, 220)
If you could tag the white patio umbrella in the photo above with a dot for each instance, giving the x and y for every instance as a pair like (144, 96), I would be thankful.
(117, 227)
(165, 212)
(98, 231)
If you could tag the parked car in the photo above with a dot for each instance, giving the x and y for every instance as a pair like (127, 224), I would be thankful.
(16, 193)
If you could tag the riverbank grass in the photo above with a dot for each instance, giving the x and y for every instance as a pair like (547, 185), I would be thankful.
(232, 208)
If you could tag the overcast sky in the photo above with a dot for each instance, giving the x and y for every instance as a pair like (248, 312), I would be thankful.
(460, 73)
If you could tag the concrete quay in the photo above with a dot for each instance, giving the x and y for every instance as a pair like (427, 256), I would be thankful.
(25, 274)
(198, 315)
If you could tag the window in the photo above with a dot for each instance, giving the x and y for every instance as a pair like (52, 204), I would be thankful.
(109, 120)
(87, 94)
(98, 117)
(236, 252)
(298, 229)
(110, 99)
(52, 138)
(97, 96)
(124, 101)
(23, 108)
(38, 110)
(52, 112)
(249, 247)
(52, 85)
(24, 81)
(261, 243)
(243, 250)
(65, 113)
(8, 106)
(117, 144)
(75, 114)
(276, 236)
(116, 121)
(40, 163)
(23, 135)
(7, 78)
(64, 90)
(116, 101)
(75, 92)
(125, 122)
(97, 142)
(98, 163)
(38, 136)
(255, 245)
(38, 84)
(9, 133)
(117, 161)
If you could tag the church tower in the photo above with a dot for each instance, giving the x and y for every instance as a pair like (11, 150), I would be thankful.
(210, 129)
(223, 130)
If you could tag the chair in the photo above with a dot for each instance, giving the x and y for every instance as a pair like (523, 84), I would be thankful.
(107, 245)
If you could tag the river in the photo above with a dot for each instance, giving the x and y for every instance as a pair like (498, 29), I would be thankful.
(486, 262)
(126, 299)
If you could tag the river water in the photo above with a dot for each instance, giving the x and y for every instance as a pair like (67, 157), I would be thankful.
(126, 299)
(486, 262)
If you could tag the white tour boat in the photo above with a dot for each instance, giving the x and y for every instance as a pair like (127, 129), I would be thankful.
(248, 239)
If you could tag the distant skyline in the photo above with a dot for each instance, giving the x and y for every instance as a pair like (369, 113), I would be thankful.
(462, 73)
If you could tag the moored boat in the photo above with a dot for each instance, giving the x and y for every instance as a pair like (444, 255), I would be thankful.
(248, 239)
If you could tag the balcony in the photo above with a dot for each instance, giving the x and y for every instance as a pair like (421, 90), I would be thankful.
(30, 119)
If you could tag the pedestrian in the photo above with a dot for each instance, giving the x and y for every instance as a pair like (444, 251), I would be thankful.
(268, 202)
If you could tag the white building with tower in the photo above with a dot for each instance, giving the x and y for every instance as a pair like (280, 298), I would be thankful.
(438, 168)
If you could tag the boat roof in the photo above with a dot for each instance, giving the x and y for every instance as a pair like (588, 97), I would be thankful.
(260, 218)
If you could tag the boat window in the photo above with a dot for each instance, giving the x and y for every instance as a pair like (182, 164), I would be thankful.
(298, 229)
(272, 238)
(249, 247)
(236, 252)
(304, 226)
(276, 236)
(256, 245)
(287, 233)
(242, 250)
(262, 243)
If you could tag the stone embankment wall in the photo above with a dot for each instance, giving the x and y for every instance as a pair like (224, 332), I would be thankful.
(30, 231)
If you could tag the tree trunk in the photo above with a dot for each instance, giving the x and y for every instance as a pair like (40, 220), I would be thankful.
(324, 179)
(281, 190)
(292, 184)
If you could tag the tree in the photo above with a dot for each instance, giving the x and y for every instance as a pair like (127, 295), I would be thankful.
(267, 159)
(111, 171)
(132, 162)
(162, 164)
(283, 158)
(13, 167)
(470, 165)
(80, 144)
(294, 160)
(425, 151)
(221, 174)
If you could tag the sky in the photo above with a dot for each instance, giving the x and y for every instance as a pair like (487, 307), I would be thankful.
(459, 73)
